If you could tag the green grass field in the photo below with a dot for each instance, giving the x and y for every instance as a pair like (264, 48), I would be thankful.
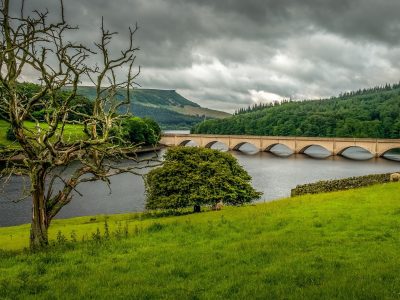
(3, 131)
(71, 132)
(342, 245)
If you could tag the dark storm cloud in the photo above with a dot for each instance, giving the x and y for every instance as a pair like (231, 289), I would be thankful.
(368, 19)
(229, 53)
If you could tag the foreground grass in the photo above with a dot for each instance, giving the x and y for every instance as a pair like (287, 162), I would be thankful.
(341, 245)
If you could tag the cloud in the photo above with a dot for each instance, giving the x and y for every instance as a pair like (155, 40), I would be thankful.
(264, 97)
(226, 54)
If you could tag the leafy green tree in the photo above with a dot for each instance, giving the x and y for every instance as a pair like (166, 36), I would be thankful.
(154, 125)
(140, 131)
(198, 176)
(155, 131)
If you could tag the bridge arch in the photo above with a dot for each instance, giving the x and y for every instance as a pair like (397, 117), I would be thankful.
(305, 148)
(288, 144)
(186, 142)
(210, 144)
(386, 151)
(219, 145)
(289, 151)
(340, 151)
(238, 146)
(268, 149)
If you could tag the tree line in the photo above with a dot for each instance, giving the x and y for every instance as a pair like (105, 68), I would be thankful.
(373, 113)
(256, 106)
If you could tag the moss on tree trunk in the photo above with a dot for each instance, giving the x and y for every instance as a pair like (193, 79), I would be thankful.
(40, 221)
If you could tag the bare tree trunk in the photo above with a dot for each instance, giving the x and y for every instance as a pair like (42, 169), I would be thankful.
(33, 43)
(40, 222)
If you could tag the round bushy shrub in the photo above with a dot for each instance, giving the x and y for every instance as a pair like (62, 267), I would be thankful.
(140, 131)
(193, 176)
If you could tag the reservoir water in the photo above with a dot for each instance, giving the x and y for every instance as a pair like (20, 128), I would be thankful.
(273, 175)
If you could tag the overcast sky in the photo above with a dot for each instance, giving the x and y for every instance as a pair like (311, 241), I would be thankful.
(226, 54)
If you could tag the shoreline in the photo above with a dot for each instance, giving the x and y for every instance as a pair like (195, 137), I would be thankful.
(148, 215)
(137, 215)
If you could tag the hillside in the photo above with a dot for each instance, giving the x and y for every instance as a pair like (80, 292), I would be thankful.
(342, 245)
(373, 113)
(167, 107)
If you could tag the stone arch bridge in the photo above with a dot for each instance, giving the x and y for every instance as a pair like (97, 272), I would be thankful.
(377, 147)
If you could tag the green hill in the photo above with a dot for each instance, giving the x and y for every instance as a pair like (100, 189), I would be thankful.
(342, 245)
(167, 107)
(373, 113)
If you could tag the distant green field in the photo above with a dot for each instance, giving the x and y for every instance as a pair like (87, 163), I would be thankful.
(72, 132)
(342, 245)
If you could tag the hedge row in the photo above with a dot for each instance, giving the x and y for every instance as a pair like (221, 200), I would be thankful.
(325, 186)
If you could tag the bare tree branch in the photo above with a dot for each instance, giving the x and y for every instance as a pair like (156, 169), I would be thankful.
(32, 43)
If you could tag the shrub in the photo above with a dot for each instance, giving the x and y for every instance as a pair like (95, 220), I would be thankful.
(140, 131)
(197, 176)
(325, 186)
(10, 135)
(156, 130)
(39, 115)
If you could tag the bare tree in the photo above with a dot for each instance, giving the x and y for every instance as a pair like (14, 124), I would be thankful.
(32, 43)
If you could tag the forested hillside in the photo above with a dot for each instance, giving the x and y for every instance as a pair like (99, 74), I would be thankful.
(371, 113)
(167, 118)
(167, 107)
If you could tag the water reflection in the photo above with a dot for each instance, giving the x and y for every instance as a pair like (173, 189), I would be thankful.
(190, 144)
(276, 176)
(247, 148)
(357, 153)
(393, 154)
(281, 150)
(317, 151)
(220, 146)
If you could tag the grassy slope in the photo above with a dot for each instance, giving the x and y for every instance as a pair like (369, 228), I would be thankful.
(339, 245)
(162, 99)
(201, 111)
